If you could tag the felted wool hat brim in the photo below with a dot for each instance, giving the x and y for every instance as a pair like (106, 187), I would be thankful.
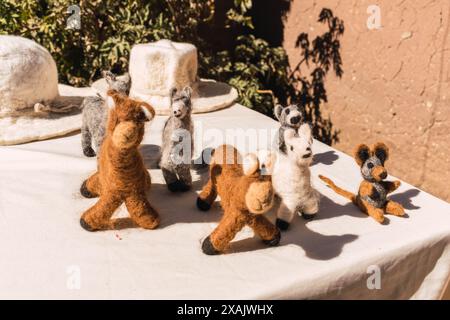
(28, 125)
(209, 95)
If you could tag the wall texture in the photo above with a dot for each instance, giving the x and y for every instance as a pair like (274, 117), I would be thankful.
(396, 82)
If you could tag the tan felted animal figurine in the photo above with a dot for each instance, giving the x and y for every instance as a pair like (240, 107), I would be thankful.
(246, 192)
(373, 190)
(121, 176)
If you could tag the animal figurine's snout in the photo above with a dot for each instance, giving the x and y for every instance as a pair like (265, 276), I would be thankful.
(260, 197)
(126, 135)
(295, 120)
(379, 173)
(308, 154)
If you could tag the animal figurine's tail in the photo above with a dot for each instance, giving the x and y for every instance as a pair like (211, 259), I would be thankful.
(338, 190)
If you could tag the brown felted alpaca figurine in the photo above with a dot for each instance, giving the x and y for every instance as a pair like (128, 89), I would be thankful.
(246, 193)
(373, 190)
(121, 176)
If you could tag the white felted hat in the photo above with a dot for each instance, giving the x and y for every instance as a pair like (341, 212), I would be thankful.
(32, 104)
(157, 67)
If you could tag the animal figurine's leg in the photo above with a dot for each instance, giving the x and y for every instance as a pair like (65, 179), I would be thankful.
(394, 208)
(86, 141)
(391, 186)
(148, 181)
(98, 216)
(265, 229)
(227, 229)
(142, 212)
(310, 207)
(98, 144)
(207, 196)
(171, 179)
(98, 139)
(376, 213)
(284, 216)
(185, 178)
(91, 188)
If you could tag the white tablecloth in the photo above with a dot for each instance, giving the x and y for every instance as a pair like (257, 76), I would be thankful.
(44, 253)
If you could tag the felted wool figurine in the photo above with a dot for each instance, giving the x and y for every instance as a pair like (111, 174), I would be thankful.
(177, 142)
(290, 117)
(373, 190)
(245, 192)
(95, 113)
(291, 178)
(121, 176)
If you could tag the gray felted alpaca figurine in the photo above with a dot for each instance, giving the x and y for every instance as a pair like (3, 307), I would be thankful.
(290, 117)
(177, 142)
(95, 113)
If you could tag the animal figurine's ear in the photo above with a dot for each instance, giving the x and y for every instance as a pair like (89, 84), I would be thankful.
(277, 111)
(362, 153)
(109, 76)
(267, 160)
(187, 91)
(303, 112)
(250, 164)
(147, 111)
(381, 151)
(172, 92)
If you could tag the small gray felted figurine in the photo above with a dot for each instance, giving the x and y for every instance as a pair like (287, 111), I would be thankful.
(95, 113)
(177, 142)
(290, 117)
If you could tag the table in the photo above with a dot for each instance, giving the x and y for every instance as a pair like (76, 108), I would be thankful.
(342, 254)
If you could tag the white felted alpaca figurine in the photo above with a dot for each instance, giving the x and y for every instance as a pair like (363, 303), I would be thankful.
(291, 177)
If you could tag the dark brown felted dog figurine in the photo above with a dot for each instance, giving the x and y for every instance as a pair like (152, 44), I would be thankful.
(373, 191)
(121, 176)
(245, 192)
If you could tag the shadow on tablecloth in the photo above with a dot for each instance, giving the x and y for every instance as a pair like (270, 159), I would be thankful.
(326, 158)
